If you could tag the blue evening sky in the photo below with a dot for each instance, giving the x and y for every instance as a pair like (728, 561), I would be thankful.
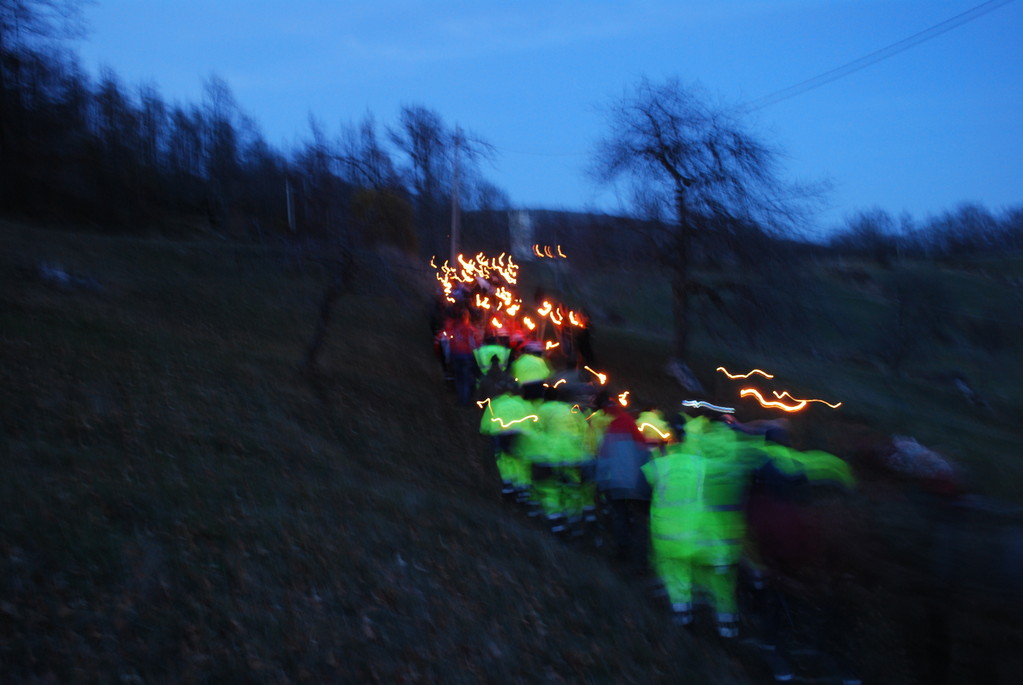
(922, 131)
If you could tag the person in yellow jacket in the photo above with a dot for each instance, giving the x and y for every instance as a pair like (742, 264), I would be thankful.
(562, 427)
(530, 367)
(697, 524)
(655, 428)
(492, 353)
(529, 447)
(506, 416)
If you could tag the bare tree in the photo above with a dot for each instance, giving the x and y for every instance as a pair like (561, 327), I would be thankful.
(685, 153)
(27, 21)
(437, 156)
(423, 137)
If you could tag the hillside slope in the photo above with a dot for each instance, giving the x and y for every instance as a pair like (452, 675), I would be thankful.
(182, 504)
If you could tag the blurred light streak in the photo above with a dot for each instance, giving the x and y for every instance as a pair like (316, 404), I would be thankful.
(602, 377)
(700, 404)
(747, 375)
(664, 436)
(799, 406)
(785, 394)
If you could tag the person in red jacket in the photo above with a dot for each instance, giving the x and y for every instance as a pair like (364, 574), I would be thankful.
(463, 341)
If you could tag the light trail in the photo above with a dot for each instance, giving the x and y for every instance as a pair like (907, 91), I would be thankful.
(799, 406)
(700, 404)
(602, 377)
(508, 424)
(664, 436)
(746, 375)
(785, 394)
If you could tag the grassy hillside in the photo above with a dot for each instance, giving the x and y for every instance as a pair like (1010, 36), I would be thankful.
(181, 504)
(184, 504)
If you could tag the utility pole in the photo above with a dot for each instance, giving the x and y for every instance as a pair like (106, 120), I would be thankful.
(455, 209)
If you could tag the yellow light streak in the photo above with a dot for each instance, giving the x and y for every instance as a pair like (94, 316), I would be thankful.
(508, 424)
(545, 308)
(664, 436)
(799, 406)
(574, 320)
(528, 323)
(547, 252)
(513, 309)
(563, 380)
(560, 253)
(785, 394)
(602, 377)
(557, 317)
(747, 375)
(551, 345)
(623, 398)
(536, 251)
(496, 322)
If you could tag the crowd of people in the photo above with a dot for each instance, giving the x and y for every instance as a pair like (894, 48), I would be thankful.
(721, 514)
(690, 496)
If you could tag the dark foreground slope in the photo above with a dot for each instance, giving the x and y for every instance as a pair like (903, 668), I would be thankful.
(182, 504)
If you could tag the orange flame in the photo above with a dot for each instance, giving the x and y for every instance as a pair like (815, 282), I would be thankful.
(602, 377)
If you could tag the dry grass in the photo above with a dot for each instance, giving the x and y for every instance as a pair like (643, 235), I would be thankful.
(183, 505)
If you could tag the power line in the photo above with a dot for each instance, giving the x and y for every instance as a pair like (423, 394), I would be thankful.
(838, 72)
(876, 56)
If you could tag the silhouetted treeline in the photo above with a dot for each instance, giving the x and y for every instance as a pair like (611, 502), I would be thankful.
(968, 230)
(98, 152)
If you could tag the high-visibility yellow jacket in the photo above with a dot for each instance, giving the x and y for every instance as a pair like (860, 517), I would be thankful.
(507, 413)
(563, 427)
(529, 368)
(654, 428)
(698, 488)
(485, 355)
